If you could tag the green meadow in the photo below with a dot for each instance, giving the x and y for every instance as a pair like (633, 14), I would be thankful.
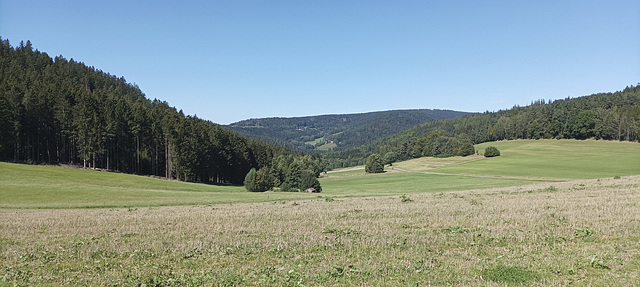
(572, 159)
(513, 220)
(399, 183)
(29, 186)
(522, 162)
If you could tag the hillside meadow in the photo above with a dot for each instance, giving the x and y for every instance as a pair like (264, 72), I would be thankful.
(571, 159)
(28, 186)
(430, 221)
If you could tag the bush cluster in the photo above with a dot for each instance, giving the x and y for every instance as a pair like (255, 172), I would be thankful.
(491, 151)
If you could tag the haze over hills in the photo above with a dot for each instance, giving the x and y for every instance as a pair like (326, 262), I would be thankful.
(334, 132)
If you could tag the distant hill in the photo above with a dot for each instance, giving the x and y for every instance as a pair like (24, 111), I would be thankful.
(334, 132)
(606, 116)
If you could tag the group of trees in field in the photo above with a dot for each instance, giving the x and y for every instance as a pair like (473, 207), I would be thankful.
(607, 116)
(434, 144)
(62, 111)
(286, 173)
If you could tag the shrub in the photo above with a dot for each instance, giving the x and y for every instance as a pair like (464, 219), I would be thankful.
(258, 181)
(374, 164)
(465, 150)
(250, 181)
(405, 198)
(491, 151)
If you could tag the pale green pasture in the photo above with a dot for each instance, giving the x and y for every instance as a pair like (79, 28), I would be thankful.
(327, 146)
(555, 159)
(315, 141)
(28, 186)
(426, 164)
(357, 183)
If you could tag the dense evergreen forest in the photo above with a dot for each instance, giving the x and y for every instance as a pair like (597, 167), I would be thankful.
(346, 130)
(62, 111)
(607, 116)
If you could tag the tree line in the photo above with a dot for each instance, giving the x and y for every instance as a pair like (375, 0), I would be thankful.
(606, 116)
(54, 110)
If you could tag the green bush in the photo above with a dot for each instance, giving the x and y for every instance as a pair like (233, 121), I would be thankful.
(258, 181)
(250, 181)
(465, 150)
(491, 151)
(374, 164)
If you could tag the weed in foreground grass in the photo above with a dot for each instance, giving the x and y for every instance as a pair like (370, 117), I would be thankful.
(598, 263)
(339, 232)
(585, 232)
(510, 274)
(405, 198)
(6, 241)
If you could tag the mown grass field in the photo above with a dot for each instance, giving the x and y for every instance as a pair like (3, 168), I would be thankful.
(28, 186)
(474, 222)
(563, 233)
(555, 159)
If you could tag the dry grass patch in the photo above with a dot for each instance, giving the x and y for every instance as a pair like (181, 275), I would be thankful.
(428, 163)
(583, 232)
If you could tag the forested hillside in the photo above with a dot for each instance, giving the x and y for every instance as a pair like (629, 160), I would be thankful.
(607, 116)
(337, 131)
(62, 111)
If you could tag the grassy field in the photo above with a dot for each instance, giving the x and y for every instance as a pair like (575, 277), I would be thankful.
(356, 183)
(28, 186)
(555, 159)
(563, 233)
(327, 146)
(323, 147)
(458, 221)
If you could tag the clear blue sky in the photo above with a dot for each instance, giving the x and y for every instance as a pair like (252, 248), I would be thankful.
(227, 61)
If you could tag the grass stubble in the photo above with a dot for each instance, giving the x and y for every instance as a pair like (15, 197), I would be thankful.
(582, 232)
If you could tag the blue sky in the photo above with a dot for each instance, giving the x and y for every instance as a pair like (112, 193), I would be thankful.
(227, 61)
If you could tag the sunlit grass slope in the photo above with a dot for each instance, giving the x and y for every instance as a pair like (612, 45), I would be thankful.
(28, 186)
(554, 159)
(357, 183)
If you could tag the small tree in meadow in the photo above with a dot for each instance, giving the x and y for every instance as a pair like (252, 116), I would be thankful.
(258, 181)
(250, 181)
(374, 164)
(491, 151)
(465, 150)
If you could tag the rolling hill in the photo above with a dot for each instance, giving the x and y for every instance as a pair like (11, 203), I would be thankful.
(333, 132)
(604, 116)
